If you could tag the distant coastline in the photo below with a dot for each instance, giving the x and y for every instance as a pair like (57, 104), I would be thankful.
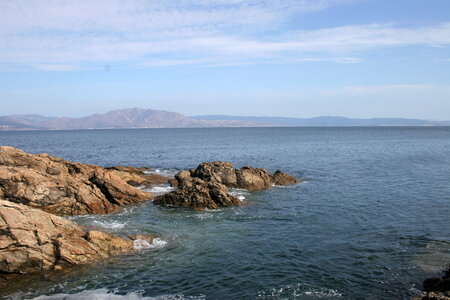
(138, 118)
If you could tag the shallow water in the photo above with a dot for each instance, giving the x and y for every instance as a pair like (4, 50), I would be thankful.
(369, 221)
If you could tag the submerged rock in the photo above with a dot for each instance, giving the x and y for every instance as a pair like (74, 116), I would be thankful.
(206, 186)
(62, 187)
(32, 240)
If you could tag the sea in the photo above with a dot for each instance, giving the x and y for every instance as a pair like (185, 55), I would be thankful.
(370, 218)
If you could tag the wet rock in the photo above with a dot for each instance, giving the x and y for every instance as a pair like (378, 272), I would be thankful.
(62, 187)
(32, 241)
(197, 193)
(281, 178)
(437, 288)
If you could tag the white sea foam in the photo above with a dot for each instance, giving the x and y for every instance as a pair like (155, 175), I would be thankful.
(239, 193)
(104, 294)
(163, 172)
(139, 244)
(298, 290)
(160, 189)
(109, 224)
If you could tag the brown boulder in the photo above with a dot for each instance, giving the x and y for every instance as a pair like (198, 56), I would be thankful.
(62, 187)
(281, 178)
(32, 240)
(220, 172)
(253, 179)
(197, 193)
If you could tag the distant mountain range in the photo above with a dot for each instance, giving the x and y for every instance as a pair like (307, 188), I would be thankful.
(150, 118)
(327, 121)
(124, 118)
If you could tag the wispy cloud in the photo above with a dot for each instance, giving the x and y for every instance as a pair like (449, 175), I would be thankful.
(61, 35)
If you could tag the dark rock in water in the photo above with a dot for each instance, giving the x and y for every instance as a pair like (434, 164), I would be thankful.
(280, 178)
(62, 187)
(437, 288)
(206, 186)
(197, 193)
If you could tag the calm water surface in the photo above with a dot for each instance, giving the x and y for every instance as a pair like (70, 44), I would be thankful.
(370, 220)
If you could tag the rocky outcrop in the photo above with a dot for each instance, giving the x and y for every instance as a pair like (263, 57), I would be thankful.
(437, 288)
(280, 178)
(137, 177)
(246, 177)
(32, 240)
(197, 193)
(206, 186)
(62, 187)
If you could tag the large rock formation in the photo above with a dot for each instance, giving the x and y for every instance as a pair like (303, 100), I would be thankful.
(32, 240)
(62, 187)
(206, 186)
(248, 178)
(437, 288)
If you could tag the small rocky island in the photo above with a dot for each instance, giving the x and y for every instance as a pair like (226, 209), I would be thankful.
(207, 186)
(36, 190)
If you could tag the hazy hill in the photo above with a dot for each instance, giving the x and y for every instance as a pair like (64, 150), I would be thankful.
(150, 118)
(124, 118)
(328, 121)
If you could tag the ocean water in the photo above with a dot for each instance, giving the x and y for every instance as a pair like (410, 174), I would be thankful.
(370, 220)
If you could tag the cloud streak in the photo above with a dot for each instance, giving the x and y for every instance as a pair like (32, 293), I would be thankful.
(65, 35)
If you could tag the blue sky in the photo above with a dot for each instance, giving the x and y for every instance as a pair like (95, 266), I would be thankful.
(295, 58)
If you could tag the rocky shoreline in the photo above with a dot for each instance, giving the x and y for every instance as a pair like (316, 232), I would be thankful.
(37, 190)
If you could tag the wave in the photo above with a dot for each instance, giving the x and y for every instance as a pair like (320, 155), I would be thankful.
(160, 189)
(110, 224)
(239, 193)
(157, 243)
(104, 294)
(298, 290)
(163, 172)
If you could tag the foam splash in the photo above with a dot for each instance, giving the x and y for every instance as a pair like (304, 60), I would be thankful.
(299, 290)
(160, 189)
(140, 244)
(110, 224)
(163, 172)
(239, 193)
(104, 294)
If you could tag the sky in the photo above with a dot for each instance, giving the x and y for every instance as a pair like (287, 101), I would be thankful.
(292, 58)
